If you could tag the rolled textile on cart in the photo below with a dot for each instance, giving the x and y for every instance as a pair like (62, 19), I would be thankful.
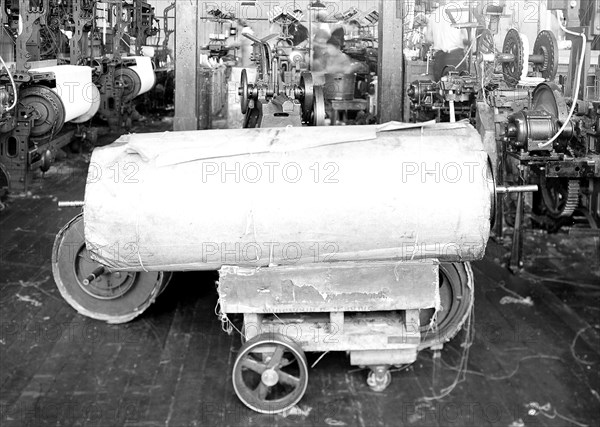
(199, 200)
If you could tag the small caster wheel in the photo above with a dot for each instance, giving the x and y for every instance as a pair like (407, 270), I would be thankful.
(379, 379)
(112, 296)
(270, 373)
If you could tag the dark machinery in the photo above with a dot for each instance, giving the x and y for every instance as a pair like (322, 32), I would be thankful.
(553, 139)
(217, 45)
(142, 23)
(561, 156)
(514, 57)
(273, 102)
(452, 97)
(31, 113)
(567, 169)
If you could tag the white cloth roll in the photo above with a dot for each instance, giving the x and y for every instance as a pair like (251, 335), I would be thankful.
(94, 95)
(74, 87)
(145, 70)
(199, 200)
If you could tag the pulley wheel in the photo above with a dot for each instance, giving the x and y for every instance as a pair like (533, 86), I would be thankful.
(48, 110)
(307, 87)
(243, 92)
(132, 84)
(270, 373)
(456, 298)
(318, 117)
(115, 297)
(547, 46)
(513, 44)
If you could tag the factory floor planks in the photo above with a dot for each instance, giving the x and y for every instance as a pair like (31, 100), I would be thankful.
(533, 362)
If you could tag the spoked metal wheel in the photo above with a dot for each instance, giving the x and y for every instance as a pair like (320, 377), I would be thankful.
(513, 44)
(115, 297)
(270, 373)
(456, 297)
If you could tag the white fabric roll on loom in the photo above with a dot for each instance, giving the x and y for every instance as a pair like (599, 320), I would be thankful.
(145, 70)
(74, 87)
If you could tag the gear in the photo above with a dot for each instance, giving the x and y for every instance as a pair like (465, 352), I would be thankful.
(560, 196)
(546, 45)
(513, 44)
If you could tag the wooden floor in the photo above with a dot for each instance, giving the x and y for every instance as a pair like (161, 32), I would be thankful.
(529, 364)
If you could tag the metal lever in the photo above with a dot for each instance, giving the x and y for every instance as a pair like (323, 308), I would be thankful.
(517, 189)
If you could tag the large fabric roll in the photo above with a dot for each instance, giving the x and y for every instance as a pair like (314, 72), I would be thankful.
(258, 197)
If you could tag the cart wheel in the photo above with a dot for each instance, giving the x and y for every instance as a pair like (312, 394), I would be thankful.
(166, 279)
(270, 373)
(379, 379)
(115, 297)
(456, 297)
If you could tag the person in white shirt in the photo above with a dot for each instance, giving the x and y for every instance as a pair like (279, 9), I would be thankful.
(447, 41)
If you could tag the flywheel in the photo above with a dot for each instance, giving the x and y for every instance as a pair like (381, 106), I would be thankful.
(318, 107)
(308, 95)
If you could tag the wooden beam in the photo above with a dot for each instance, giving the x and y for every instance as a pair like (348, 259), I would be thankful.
(186, 57)
(391, 65)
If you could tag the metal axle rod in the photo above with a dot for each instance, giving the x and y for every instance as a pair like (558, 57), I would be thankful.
(517, 189)
(70, 204)
(94, 275)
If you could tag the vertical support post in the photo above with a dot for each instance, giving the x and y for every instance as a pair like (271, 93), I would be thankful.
(391, 60)
(576, 51)
(186, 52)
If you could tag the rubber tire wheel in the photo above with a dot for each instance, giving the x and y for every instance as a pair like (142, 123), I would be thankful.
(456, 295)
(263, 405)
(68, 245)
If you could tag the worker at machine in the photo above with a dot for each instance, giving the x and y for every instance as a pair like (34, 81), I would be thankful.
(298, 31)
(338, 36)
(447, 41)
(332, 58)
(319, 46)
